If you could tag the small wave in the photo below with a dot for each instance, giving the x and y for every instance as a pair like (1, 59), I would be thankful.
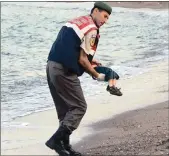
(12, 123)
(127, 40)
(15, 124)
(128, 71)
(6, 53)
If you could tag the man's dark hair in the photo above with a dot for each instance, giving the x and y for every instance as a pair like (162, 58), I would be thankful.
(94, 8)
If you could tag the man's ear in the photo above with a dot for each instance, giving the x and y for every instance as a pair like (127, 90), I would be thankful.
(96, 10)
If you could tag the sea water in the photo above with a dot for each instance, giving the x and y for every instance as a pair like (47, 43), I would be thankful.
(131, 41)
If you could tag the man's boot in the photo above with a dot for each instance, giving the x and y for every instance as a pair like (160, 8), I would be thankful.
(56, 142)
(68, 147)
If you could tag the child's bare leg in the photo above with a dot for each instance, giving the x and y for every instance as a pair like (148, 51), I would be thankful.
(113, 89)
(112, 82)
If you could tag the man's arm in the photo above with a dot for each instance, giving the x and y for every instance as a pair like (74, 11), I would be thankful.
(83, 60)
(86, 49)
(96, 62)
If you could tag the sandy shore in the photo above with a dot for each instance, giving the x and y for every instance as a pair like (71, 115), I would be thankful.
(150, 4)
(147, 89)
(137, 4)
(139, 132)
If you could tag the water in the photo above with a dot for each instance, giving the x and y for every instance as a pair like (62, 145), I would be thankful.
(131, 41)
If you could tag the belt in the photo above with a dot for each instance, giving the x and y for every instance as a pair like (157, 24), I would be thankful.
(60, 66)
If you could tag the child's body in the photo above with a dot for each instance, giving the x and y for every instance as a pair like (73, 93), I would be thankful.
(111, 77)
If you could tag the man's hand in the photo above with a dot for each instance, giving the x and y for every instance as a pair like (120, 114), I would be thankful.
(83, 60)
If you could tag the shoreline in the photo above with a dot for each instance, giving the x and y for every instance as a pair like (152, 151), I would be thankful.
(141, 5)
(138, 132)
(135, 5)
(30, 139)
(119, 125)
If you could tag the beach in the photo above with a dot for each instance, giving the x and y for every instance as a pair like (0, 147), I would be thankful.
(139, 4)
(135, 128)
(134, 124)
(139, 132)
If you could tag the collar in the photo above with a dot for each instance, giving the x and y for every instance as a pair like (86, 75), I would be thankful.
(94, 21)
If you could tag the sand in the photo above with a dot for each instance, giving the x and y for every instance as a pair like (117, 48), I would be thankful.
(139, 4)
(140, 91)
(136, 4)
(142, 130)
(139, 132)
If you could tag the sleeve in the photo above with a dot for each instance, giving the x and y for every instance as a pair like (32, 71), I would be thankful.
(88, 42)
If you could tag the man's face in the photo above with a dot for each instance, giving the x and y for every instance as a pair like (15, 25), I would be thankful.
(100, 17)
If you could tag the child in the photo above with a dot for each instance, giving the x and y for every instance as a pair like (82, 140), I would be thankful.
(110, 77)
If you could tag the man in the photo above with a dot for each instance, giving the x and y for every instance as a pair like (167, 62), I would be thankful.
(70, 56)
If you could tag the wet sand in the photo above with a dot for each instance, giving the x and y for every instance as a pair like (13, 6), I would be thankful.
(143, 131)
(136, 4)
(150, 4)
(139, 132)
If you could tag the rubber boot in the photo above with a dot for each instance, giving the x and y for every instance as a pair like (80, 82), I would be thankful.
(56, 142)
(68, 147)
